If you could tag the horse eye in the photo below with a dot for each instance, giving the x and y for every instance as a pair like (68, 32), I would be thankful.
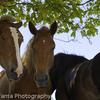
(53, 48)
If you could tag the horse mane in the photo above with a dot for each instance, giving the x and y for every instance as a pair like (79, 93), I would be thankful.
(44, 29)
(7, 18)
(27, 56)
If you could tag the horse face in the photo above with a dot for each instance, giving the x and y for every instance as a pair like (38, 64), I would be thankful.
(43, 53)
(43, 59)
(9, 48)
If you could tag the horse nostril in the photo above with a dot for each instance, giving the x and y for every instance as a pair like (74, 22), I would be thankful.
(45, 77)
(41, 78)
(12, 75)
(13, 68)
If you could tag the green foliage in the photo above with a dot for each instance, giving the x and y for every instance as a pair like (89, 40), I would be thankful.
(65, 12)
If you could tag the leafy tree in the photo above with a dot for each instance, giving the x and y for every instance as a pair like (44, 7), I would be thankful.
(72, 15)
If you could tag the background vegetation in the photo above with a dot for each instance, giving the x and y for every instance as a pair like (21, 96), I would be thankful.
(72, 15)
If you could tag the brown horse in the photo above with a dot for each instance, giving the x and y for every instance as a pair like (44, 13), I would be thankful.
(10, 41)
(37, 60)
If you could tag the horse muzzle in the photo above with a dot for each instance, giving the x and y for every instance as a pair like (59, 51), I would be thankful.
(11, 74)
(41, 80)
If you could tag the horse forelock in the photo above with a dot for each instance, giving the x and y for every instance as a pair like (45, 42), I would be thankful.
(26, 58)
(44, 29)
(7, 18)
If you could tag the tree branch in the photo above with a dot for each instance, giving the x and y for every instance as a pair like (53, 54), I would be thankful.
(85, 2)
(65, 41)
(90, 42)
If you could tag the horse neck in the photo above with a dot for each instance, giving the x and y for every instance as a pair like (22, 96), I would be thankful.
(27, 59)
(96, 70)
(67, 61)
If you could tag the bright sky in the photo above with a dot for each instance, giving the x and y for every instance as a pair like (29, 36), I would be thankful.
(80, 46)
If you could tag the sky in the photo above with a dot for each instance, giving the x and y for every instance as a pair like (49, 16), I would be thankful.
(64, 43)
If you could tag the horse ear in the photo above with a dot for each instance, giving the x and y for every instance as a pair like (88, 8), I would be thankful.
(32, 28)
(53, 28)
(17, 25)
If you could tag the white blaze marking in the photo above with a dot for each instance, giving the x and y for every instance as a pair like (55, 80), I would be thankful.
(19, 69)
(44, 41)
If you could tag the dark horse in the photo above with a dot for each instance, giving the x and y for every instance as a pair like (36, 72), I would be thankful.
(63, 63)
(10, 41)
(87, 81)
(38, 59)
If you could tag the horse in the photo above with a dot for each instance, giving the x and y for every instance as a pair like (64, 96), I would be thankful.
(37, 61)
(86, 84)
(63, 63)
(10, 41)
